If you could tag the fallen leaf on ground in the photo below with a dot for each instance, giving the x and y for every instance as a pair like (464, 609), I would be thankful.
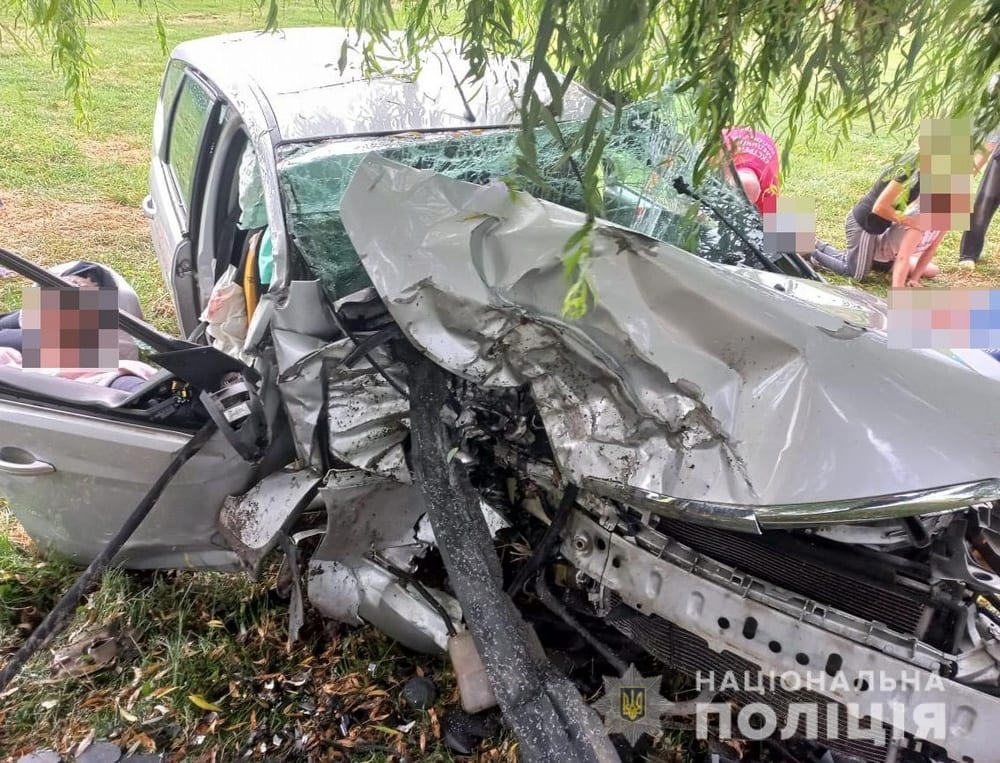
(93, 651)
(84, 744)
(203, 703)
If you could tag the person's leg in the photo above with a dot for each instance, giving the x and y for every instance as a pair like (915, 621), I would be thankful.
(824, 249)
(983, 209)
(11, 320)
(856, 261)
(930, 271)
(128, 382)
(11, 338)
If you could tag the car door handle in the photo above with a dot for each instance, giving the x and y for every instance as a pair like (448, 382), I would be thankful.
(149, 207)
(22, 464)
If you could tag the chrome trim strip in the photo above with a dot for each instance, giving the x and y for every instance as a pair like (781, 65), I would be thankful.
(754, 519)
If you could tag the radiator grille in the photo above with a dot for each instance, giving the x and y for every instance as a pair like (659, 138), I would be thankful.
(690, 654)
(788, 565)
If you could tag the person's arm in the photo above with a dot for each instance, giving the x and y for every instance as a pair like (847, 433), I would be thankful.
(884, 204)
(918, 270)
(901, 265)
(982, 156)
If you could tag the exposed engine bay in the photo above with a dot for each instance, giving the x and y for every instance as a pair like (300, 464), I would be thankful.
(865, 616)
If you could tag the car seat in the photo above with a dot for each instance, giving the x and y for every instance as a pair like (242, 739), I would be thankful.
(109, 278)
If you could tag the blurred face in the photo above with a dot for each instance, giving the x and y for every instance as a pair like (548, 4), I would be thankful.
(945, 177)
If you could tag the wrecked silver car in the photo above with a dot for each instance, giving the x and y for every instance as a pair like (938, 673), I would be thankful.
(720, 466)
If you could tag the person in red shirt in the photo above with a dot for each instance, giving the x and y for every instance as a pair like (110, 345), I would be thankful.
(757, 165)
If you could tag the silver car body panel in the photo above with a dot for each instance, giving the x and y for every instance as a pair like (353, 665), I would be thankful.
(182, 529)
(297, 73)
(252, 522)
(376, 526)
(686, 379)
(367, 419)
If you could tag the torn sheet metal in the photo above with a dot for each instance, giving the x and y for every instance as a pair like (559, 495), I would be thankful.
(252, 523)
(372, 521)
(687, 379)
(368, 513)
(368, 420)
(319, 376)
(300, 383)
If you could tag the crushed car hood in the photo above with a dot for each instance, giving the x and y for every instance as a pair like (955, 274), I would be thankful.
(686, 379)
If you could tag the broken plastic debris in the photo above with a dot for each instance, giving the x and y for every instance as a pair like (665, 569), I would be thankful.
(473, 684)
(419, 693)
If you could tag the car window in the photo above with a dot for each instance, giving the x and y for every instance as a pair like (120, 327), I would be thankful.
(190, 117)
(647, 148)
(171, 82)
(164, 104)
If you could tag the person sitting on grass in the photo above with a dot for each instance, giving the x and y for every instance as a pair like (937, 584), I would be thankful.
(881, 236)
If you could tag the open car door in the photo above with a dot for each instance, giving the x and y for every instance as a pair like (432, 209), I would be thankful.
(187, 122)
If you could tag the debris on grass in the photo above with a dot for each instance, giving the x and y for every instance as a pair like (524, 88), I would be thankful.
(95, 649)
(200, 671)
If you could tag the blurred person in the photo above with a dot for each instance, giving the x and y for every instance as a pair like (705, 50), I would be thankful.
(881, 236)
(130, 374)
(985, 205)
(755, 161)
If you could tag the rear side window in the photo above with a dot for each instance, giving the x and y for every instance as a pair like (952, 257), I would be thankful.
(171, 81)
(190, 117)
(168, 92)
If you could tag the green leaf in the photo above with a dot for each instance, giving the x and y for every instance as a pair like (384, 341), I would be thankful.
(204, 704)
(161, 33)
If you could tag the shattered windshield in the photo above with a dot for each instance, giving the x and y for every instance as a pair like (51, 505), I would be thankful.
(647, 149)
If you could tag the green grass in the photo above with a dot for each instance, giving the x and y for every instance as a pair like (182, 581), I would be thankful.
(47, 159)
(72, 191)
(220, 639)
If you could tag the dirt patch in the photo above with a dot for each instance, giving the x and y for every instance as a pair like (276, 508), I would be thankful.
(49, 232)
(195, 18)
(12, 530)
(963, 279)
(185, 18)
(114, 148)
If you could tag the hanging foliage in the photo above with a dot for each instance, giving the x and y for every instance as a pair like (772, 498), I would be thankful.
(786, 65)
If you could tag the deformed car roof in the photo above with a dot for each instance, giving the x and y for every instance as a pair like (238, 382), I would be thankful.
(296, 75)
